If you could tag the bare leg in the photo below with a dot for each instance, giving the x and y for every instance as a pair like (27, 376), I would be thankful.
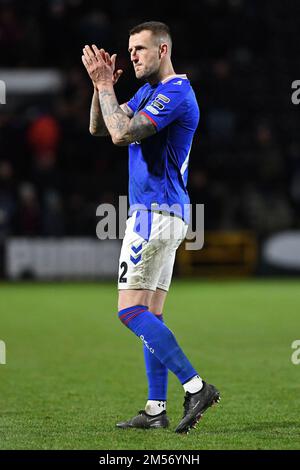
(157, 301)
(131, 297)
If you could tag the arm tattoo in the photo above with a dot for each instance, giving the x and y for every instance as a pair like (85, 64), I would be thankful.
(97, 125)
(121, 127)
(141, 127)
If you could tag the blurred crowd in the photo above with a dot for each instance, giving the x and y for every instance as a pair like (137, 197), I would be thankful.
(241, 57)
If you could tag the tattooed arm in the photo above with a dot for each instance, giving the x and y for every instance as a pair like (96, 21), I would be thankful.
(97, 124)
(118, 120)
(90, 59)
(123, 129)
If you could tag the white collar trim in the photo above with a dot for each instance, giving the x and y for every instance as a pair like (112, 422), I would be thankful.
(174, 76)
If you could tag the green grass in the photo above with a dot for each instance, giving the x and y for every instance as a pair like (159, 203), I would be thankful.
(73, 370)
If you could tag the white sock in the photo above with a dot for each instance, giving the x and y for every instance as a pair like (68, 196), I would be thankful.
(194, 385)
(154, 407)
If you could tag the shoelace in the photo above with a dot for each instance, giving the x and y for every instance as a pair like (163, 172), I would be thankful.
(186, 403)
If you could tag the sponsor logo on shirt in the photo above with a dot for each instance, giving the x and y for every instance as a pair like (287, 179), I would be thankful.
(158, 104)
(163, 98)
(151, 109)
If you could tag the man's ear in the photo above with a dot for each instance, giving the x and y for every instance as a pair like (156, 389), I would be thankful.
(163, 49)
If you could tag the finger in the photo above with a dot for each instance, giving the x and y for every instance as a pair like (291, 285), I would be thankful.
(84, 61)
(117, 75)
(113, 60)
(96, 51)
(102, 53)
(88, 58)
(107, 58)
(89, 51)
(95, 48)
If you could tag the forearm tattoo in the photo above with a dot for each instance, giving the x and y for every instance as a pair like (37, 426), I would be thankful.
(122, 129)
(114, 117)
(97, 125)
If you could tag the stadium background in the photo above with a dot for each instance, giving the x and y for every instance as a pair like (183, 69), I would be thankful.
(241, 57)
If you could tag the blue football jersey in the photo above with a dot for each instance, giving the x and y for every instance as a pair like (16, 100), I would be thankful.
(158, 165)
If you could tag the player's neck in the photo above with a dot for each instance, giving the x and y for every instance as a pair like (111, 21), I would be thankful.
(165, 71)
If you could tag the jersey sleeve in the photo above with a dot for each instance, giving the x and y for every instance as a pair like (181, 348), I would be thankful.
(165, 106)
(133, 103)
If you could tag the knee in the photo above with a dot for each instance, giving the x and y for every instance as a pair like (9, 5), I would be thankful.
(129, 298)
(154, 310)
(127, 314)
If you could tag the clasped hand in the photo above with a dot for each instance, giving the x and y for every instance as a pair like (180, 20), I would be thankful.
(100, 65)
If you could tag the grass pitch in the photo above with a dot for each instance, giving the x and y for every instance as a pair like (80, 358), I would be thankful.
(73, 370)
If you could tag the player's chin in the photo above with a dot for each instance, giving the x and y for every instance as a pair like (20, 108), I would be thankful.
(139, 74)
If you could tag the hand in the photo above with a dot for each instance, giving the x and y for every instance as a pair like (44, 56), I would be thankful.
(116, 74)
(100, 66)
